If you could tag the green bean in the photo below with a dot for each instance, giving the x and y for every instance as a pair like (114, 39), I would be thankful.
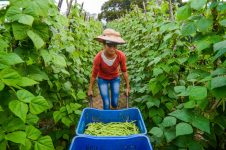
(112, 129)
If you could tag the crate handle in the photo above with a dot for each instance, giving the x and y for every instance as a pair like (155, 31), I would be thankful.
(90, 101)
(127, 101)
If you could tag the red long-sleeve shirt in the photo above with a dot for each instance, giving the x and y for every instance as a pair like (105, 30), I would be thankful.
(102, 70)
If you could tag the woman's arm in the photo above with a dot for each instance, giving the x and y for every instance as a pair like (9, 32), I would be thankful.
(125, 75)
(95, 70)
(90, 91)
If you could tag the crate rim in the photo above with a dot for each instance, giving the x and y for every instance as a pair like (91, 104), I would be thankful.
(131, 108)
(112, 138)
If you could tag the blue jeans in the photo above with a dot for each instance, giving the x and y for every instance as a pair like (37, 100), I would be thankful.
(104, 91)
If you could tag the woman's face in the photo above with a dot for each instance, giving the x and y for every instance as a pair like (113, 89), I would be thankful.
(110, 48)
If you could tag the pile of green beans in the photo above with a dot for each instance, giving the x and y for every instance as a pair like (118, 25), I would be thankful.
(111, 129)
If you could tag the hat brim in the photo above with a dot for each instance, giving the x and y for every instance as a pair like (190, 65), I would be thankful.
(117, 40)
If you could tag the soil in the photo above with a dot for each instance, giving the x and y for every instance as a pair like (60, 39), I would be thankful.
(98, 103)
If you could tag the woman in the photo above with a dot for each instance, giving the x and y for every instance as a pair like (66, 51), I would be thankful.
(106, 67)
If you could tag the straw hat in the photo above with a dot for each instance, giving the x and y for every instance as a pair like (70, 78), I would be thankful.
(110, 35)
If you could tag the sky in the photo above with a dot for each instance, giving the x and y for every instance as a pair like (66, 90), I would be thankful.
(92, 6)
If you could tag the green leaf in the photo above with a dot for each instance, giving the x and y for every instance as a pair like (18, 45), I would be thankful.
(16, 137)
(157, 71)
(188, 29)
(223, 23)
(184, 115)
(201, 45)
(19, 31)
(170, 134)
(47, 57)
(1, 109)
(36, 74)
(44, 143)
(183, 12)
(32, 119)
(192, 77)
(3, 117)
(168, 27)
(179, 89)
(169, 106)
(219, 71)
(26, 19)
(27, 145)
(221, 7)
(81, 95)
(153, 102)
(219, 92)
(183, 141)
(205, 24)
(203, 104)
(24, 96)
(190, 104)
(10, 59)
(14, 124)
(10, 77)
(57, 116)
(183, 129)
(197, 5)
(169, 121)
(78, 112)
(67, 86)
(197, 93)
(39, 7)
(66, 137)
(4, 44)
(20, 109)
(182, 60)
(2, 85)
(42, 29)
(201, 123)
(2, 134)
(58, 60)
(32, 133)
(38, 105)
(154, 87)
(218, 82)
(3, 144)
(194, 145)
(75, 106)
(156, 112)
(67, 121)
(219, 45)
(13, 13)
(37, 40)
(26, 82)
(220, 53)
(156, 132)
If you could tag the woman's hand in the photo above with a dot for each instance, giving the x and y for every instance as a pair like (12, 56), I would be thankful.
(90, 92)
(127, 91)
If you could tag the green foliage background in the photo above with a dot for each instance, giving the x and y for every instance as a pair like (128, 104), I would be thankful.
(44, 71)
(178, 72)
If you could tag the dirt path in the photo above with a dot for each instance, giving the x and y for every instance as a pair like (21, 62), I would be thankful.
(97, 101)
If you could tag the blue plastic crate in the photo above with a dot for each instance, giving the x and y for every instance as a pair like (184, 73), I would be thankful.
(95, 115)
(139, 142)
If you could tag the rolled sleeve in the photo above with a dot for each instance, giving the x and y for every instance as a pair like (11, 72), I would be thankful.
(123, 63)
(96, 66)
